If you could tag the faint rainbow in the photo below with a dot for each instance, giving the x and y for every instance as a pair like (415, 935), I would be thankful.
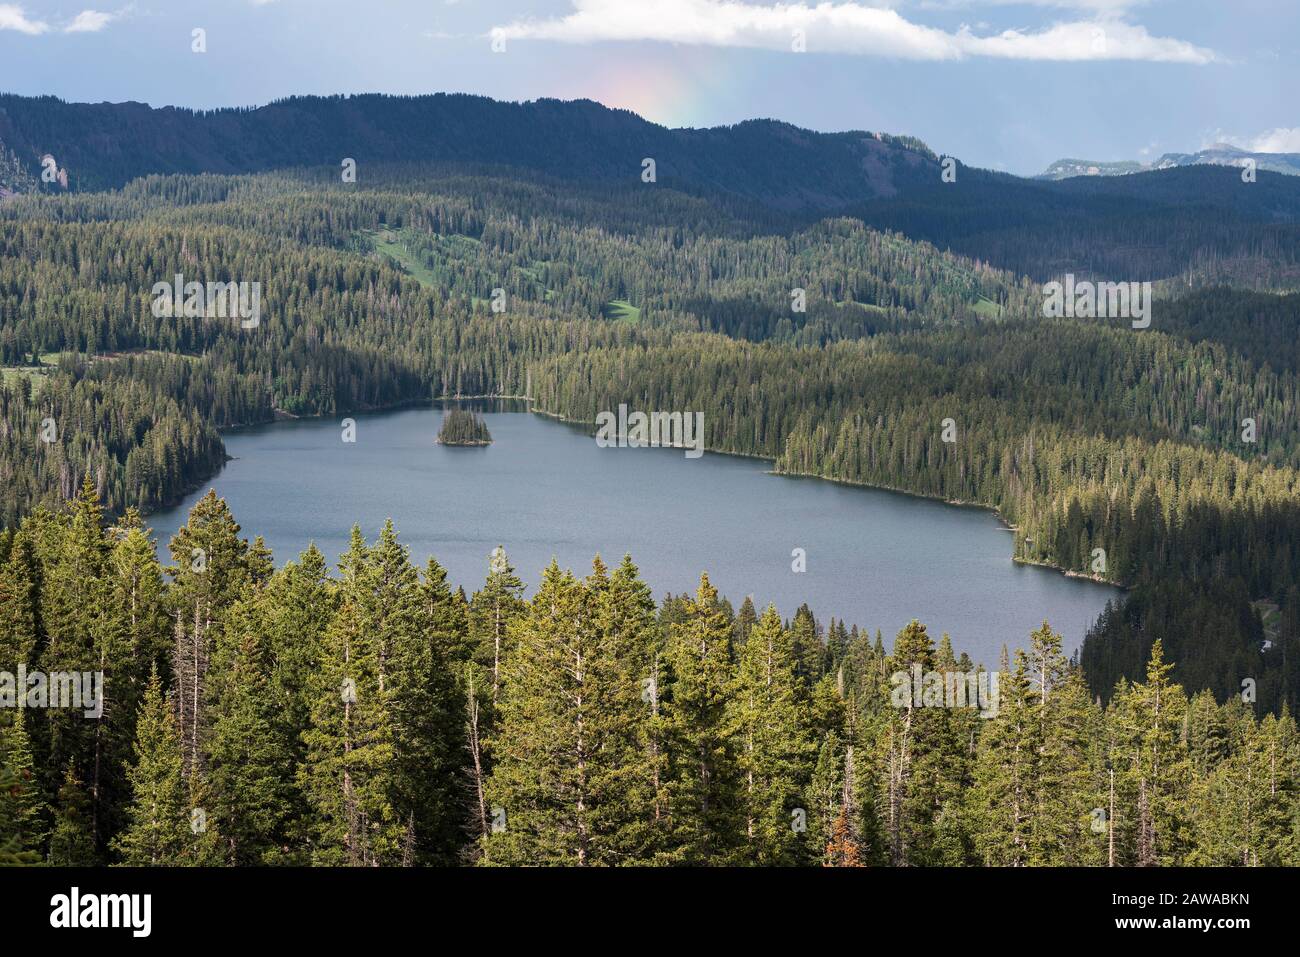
(672, 91)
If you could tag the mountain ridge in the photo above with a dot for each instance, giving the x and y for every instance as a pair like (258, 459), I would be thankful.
(106, 145)
(1196, 221)
(1219, 154)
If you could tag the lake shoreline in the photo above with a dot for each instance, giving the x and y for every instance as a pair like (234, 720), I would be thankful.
(558, 417)
(872, 556)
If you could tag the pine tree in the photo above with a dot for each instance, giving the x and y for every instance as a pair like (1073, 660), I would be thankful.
(384, 737)
(79, 635)
(158, 831)
(628, 775)
(251, 766)
(492, 610)
(71, 842)
(1242, 808)
(19, 603)
(295, 608)
(921, 759)
(770, 717)
(1065, 830)
(809, 649)
(704, 783)
(490, 614)
(21, 802)
(826, 801)
(1004, 799)
(544, 747)
(131, 641)
(571, 773)
(212, 567)
(1153, 771)
(348, 773)
(426, 706)
(746, 619)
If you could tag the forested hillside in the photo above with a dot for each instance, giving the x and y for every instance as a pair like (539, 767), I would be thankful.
(579, 140)
(1196, 223)
(1084, 434)
(892, 338)
(379, 716)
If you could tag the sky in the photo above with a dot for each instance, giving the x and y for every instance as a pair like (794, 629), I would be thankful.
(999, 84)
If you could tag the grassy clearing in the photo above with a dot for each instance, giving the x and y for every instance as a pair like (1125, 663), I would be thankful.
(620, 310)
(389, 244)
(49, 361)
(1271, 615)
(869, 306)
(38, 377)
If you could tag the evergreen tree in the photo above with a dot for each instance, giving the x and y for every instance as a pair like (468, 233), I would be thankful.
(212, 567)
(775, 748)
(72, 840)
(21, 802)
(418, 677)
(1004, 799)
(251, 754)
(921, 759)
(80, 638)
(571, 772)
(158, 831)
(492, 610)
(707, 815)
(1152, 768)
(348, 773)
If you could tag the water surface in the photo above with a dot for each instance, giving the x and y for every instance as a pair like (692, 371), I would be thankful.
(545, 489)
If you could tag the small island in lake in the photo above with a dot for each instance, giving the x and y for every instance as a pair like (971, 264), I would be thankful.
(460, 427)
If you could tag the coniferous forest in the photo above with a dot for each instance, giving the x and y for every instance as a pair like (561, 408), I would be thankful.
(367, 712)
(358, 710)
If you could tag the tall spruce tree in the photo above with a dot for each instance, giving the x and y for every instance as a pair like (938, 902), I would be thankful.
(921, 759)
(212, 567)
(22, 806)
(348, 773)
(158, 831)
(772, 726)
(80, 638)
(1004, 798)
(72, 839)
(707, 813)
(251, 751)
(1148, 752)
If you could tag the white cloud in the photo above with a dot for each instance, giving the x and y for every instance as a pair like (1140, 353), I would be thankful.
(89, 21)
(12, 17)
(1280, 140)
(1098, 6)
(847, 27)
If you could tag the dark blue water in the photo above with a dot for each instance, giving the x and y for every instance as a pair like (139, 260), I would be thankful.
(544, 489)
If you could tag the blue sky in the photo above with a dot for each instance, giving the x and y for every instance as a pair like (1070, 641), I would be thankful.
(1007, 85)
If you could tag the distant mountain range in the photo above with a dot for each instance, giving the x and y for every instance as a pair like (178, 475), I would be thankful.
(776, 164)
(1221, 154)
(1151, 224)
(105, 145)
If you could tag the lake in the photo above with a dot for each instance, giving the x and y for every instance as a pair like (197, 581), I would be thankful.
(543, 489)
